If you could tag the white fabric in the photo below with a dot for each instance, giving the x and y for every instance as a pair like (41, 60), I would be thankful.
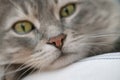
(103, 67)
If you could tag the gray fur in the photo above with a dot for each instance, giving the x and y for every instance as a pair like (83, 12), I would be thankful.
(92, 29)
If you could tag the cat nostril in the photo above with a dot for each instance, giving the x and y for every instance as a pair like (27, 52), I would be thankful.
(57, 41)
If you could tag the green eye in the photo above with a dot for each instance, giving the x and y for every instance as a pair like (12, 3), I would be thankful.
(23, 27)
(67, 10)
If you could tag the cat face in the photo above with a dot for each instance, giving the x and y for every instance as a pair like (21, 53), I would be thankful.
(31, 30)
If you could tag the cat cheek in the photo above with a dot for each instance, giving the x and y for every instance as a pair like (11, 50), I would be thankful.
(7, 54)
(46, 55)
(77, 46)
(21, 56)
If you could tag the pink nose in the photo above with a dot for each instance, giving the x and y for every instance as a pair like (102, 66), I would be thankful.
(57, 41)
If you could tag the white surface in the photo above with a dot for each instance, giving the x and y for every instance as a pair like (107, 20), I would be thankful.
(103, 67)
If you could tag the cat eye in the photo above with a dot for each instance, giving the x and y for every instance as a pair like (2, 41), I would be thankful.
(67, 10)
(23, 27)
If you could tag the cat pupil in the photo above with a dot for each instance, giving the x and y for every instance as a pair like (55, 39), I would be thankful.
(66, 10)
(23, 27)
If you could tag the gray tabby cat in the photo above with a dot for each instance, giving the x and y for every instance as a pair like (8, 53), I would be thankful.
(51, 34)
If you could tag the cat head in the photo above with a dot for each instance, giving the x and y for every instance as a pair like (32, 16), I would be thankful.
(45, 32)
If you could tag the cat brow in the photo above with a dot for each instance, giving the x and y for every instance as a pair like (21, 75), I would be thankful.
(15, 5)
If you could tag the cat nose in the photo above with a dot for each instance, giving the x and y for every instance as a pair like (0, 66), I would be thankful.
(57, 41)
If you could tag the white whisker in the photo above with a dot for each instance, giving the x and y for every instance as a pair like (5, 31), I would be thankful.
(97, 36)
(23, 66)
(24, 73)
